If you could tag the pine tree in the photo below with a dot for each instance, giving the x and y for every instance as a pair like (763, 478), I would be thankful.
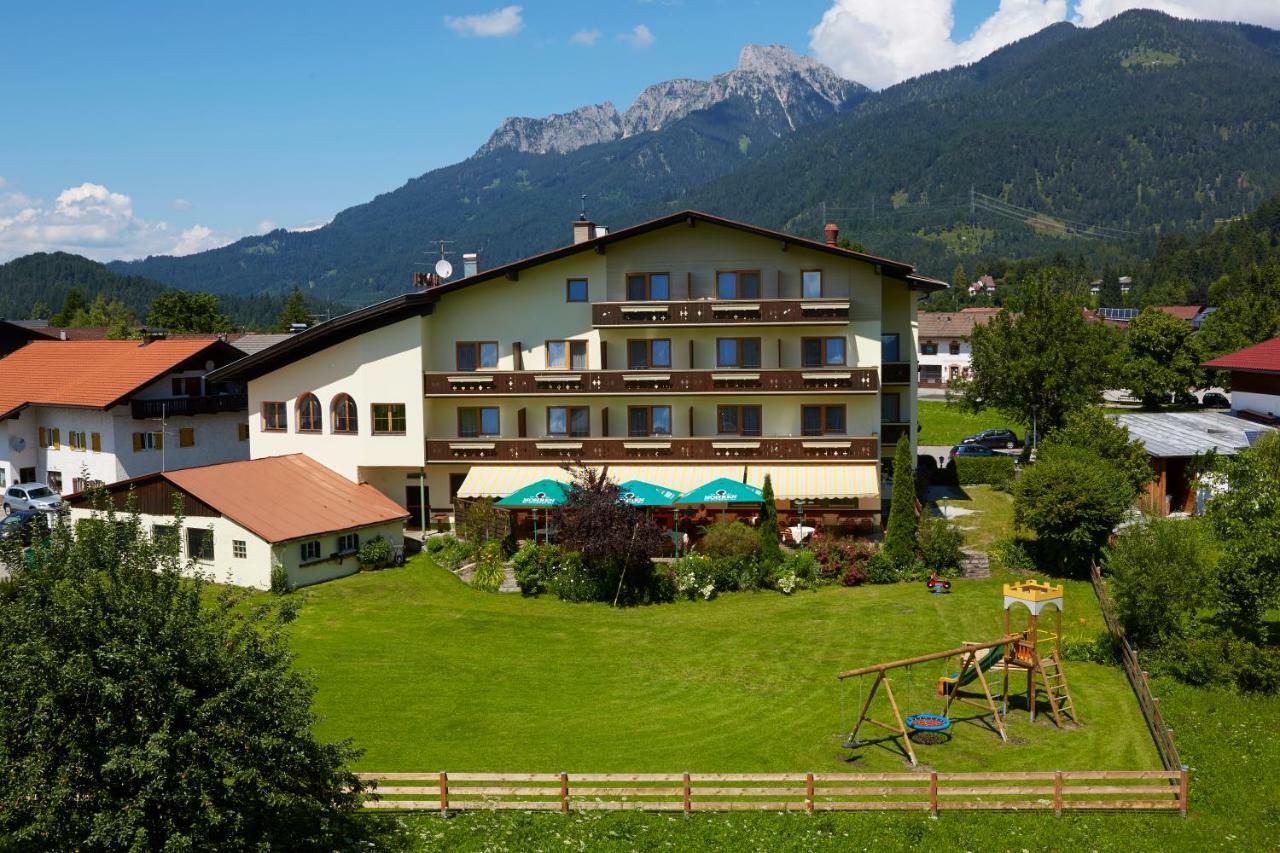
(72, 305)
(770, 544)
(900, 535)
(295, 310)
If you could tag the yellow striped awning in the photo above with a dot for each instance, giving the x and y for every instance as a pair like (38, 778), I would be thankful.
(499, 481)
(681, 478)
(811, 482)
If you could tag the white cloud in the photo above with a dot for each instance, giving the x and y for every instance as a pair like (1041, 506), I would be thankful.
(198, 238)
(266, 226)
(881, 42)
(499, 23)
(2, 181)
(309, 226)
(584, 37)
(639, 37)
(181, 204)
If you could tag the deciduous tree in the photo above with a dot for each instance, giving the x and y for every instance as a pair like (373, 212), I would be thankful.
(188, 313)
(1160, 357)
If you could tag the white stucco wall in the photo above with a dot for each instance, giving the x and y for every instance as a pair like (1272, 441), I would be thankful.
(1252, 401)
(950, 365)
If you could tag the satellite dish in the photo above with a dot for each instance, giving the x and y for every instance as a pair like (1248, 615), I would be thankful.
(18, 443)
(444, 269)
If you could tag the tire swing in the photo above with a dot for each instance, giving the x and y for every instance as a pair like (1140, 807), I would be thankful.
(927, 729)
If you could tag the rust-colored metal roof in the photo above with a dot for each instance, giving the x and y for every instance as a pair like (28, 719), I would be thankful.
(90, 374)
(952, 324)
(281, 498)
(1263, 357)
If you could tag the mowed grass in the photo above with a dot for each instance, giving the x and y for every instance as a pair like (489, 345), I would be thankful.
(992, 515)
(947, 423)
(425, 673)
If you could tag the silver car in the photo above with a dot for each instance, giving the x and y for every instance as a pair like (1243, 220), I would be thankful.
(35, 496)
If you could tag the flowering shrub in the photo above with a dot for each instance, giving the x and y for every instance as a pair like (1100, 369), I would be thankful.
(842, 560)
(535, 566)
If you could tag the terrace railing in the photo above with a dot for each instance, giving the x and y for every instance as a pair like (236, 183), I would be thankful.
(525, 383)
(176, 407)
(816, 449)
(721, 312)
(1058, 791)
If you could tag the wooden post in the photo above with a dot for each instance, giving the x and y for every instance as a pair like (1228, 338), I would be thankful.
(564, 793)
(862, 715)
(902, 726)
(1057, 793)
(686, 794)
(808, 793)
(933, 793)
(444, 793)
(1184, 788)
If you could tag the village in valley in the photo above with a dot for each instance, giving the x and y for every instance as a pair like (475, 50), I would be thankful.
(696, 521)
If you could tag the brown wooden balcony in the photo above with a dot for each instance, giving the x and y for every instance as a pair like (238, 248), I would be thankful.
(722, 312)
(720, 449)
(896, 372)
(818, 380)
(890, 433)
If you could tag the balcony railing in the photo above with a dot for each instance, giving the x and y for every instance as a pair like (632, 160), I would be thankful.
(728, 448)
(896, 372)
(818, 380)
(177, 407)
(722, 312)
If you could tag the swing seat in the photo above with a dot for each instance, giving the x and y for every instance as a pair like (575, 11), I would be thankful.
(928, 722)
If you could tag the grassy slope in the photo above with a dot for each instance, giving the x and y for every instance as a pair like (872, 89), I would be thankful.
(425, 673)
(947, 423)
(992, 517)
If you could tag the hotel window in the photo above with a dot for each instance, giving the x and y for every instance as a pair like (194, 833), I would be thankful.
(274, 418)
(954, 348)
(572, 421)
(812, 284)
(738, 420)
(345, 421)
(738, 284)
(645, 286)
(388, 418)
(567, 355)
(478, 421)
(929, 348)
(239, 549)
(822, 420)
(737, 352)
(648, 420)
(348, 543)
(199, 543)
(477, 355)
(890, 408)
(310, 551)
(308, 414)
(575, 290)
(644, 354)
(889, 347)
(822, 352)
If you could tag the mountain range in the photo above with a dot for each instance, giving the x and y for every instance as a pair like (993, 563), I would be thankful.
(1073, 140)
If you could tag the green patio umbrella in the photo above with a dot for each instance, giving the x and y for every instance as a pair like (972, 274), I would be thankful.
(640, 493)
(543, 494)
(722, 491)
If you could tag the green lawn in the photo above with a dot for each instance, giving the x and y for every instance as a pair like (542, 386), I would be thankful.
(992, 516)
(425, 673)
(947, 423)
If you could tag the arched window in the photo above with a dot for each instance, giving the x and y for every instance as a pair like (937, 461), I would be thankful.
(309, 413)
(344, 415)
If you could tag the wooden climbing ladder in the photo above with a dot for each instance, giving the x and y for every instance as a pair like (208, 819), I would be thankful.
(1054, 679)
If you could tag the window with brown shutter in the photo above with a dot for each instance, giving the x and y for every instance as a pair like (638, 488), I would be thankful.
(243, 430)
(96, 441)
(187, 437)
(137, 442)
(56, 440)
(44, 438)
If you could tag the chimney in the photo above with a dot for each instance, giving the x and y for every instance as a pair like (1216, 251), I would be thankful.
(470, 264)
(832, 232)
(152, 335)
(583, 230)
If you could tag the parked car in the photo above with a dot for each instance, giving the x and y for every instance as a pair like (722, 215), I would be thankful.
(31, 496)
(972, 450)
(1215, 400)
(1005, 438)
(26, 525)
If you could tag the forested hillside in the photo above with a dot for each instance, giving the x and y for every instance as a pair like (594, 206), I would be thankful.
(1145, 125)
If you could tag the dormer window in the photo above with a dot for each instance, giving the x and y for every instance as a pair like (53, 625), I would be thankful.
(648, 286)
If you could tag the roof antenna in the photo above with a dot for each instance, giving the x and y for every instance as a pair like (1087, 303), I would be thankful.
(582, 211)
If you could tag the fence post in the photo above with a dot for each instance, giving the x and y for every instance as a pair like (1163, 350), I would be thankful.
(808, 793)
(686, 794)
(933, 793)
(1183, 789)
(564, 793)
(444, 794)
(1057, 793)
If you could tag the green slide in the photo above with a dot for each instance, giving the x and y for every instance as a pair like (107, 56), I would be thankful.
(988, 660)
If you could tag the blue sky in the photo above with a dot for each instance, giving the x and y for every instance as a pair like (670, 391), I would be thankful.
(196, 123)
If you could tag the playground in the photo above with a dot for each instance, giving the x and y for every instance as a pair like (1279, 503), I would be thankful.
(425, 673)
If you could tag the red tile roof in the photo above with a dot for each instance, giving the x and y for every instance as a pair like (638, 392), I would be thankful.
(1263, 357)
(1182, 312)
(952, 324)
(280, 498)
(91, 374)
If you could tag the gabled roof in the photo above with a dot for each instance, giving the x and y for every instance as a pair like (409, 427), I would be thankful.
(952, 324)
(1178, 434)
(1182, 312)
(421, 303)
(95, 374)
(1259, 358)
(278, 498)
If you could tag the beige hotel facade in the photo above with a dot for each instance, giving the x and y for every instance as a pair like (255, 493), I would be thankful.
(674, 351)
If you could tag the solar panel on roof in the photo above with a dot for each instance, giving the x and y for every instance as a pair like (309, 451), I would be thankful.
(1117, 313)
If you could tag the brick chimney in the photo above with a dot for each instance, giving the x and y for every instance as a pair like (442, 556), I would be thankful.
(470, 264)
(832, 232)
(583, 230)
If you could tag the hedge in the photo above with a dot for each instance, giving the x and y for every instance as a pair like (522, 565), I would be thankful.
(995, 470)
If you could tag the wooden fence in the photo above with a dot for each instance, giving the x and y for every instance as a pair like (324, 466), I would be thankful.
(1059, 791)
(1160, 731)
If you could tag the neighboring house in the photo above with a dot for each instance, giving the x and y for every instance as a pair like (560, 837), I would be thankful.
(71, 410)
(14, 336)
(1174, 439)
(984, 285)
(945, 351)
(675, 351)
(242, 519)
(1255, 380)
